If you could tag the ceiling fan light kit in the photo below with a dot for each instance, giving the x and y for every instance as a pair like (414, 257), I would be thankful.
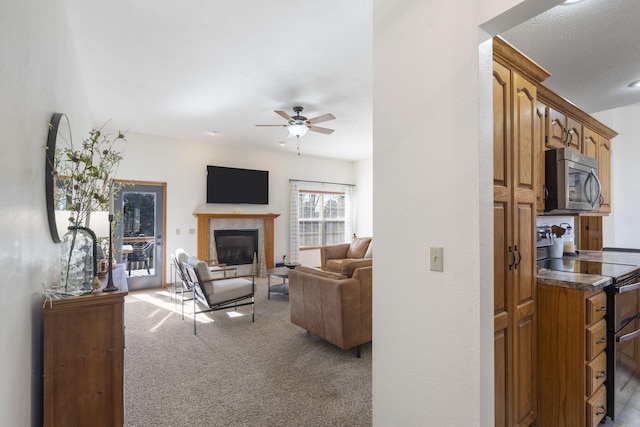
(298, 129)
(299, 125)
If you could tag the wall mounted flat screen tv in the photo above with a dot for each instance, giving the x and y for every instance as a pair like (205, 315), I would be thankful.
(233, 185)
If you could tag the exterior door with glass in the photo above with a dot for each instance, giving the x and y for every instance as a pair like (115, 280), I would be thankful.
(140, 234)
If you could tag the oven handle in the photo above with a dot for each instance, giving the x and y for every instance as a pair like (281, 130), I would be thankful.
(627, 288)
(630, 336)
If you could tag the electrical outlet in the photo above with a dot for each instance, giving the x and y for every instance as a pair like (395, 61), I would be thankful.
(177, 231)
(192, 231)
(436, 259)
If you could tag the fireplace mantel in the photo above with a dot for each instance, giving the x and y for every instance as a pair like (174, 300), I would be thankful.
(203, 221)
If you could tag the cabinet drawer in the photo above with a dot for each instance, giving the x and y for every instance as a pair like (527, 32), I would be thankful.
(596, 373)
(596, 407)
(596, 307)
(596, 339)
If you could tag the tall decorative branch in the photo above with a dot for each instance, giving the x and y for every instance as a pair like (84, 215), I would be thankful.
(87, 176)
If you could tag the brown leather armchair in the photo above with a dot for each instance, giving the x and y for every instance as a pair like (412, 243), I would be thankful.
(345, 258)
(333, 306)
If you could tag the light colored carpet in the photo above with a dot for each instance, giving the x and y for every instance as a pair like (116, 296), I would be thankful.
(235, 372)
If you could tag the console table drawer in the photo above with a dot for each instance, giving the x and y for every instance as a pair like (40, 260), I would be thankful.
(596, 339)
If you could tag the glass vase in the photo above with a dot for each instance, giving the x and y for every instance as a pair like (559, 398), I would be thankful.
(78, 261)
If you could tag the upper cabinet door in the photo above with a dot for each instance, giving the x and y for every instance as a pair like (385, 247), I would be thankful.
(539, 137)
(555, 127)
(573, 130)
(604, 173)
(562, 131)
(590, 143)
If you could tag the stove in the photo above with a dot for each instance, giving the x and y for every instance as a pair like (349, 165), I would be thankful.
(623, 322)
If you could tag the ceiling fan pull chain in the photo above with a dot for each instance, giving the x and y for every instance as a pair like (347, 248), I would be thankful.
(298, 144)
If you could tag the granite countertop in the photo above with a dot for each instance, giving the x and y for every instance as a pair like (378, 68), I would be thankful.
(587, 282)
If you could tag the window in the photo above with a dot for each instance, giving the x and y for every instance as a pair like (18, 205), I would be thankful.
(321, 218)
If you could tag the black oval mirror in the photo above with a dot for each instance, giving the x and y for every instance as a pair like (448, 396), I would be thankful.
(59, 126)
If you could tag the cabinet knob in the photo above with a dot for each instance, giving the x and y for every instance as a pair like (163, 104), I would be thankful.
(601, 374)
(601, 410)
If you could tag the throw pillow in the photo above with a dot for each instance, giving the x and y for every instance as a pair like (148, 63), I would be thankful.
(369, 253)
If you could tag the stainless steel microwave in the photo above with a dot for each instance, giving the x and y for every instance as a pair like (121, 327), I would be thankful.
(571, 182)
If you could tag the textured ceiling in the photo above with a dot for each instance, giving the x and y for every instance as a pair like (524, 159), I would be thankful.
(183, 68)
(591, 49)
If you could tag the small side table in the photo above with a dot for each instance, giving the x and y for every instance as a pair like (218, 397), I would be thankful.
(280, 273)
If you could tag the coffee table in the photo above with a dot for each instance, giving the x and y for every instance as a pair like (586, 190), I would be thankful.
(280, 273)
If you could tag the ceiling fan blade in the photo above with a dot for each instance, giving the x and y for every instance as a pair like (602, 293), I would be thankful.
(322, 118)
(273, 125)
(283, 115)
(321, 130)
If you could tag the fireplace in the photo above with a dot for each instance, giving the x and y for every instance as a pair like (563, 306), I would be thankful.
(207, 223)
(236, 247)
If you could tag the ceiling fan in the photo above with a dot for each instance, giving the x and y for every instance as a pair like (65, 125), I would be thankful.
(299, 125)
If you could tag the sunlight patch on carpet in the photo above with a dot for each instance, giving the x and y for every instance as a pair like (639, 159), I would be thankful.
(234, 314)
(162, 303)
(160, 323)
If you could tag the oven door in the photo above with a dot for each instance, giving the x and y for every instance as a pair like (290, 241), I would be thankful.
(626, 342)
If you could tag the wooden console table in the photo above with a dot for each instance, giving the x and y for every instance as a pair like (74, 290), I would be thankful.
(84, 358)
(203, 232)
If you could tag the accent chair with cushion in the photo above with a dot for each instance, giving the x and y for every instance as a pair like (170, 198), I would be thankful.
(218, 293)
(346, 257)
(185, 284)
(334, 306)
(214, 266)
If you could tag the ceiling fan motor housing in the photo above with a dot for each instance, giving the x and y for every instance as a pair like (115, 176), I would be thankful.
(298, 119)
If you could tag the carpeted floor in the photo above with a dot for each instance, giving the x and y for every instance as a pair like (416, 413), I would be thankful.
(235, 372)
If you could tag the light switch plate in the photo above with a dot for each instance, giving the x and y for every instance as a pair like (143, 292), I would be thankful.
(436, 259)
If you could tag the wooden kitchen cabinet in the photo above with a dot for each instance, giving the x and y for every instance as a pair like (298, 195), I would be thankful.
(604, 173)
(539, 138)
(84, 358)
(572, 364)
(590, 237)
(586, 134)
(515, 153)
(590, 143)
(562, 130)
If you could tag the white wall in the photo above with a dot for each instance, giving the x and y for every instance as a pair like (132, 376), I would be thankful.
(432, 162)
(621, 228)
(183, 165)
(38, 76)
(364, 198)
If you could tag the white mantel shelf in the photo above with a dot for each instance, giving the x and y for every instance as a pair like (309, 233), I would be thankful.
(203, 220)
